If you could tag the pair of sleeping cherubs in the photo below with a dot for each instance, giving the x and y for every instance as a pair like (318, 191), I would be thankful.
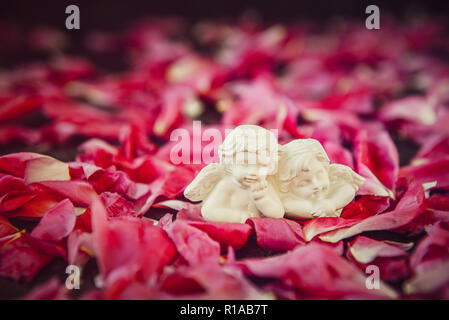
(256, 177)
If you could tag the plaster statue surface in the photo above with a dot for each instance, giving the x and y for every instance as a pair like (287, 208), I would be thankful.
(309, 186)
(237, 188)
(256, 177)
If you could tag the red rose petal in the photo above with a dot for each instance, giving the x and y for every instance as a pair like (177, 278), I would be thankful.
(277, 234)
(6, 228)
(128, 248)
(57, 223)
(314, 269)
(392, 260)
(377, 160)
(227, 234)
(20, 260)
(194, 245)
(429, 172)
(365, 206)
(409, 207)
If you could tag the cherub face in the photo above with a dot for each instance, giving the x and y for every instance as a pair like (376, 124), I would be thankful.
(312, 184)
(251, 168)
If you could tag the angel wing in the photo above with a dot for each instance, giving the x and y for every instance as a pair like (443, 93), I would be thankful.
(204, 182)
(339, 173)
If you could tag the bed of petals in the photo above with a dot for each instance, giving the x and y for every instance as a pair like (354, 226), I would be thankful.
(378, 101)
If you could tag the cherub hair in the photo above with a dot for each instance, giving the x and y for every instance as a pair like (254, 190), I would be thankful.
(247, 138)
(296, 156)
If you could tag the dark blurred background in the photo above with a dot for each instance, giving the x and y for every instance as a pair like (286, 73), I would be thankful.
(113, 14)
(20, 16)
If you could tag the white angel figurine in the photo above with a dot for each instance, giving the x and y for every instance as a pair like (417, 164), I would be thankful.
(309, 186)
(236, 188)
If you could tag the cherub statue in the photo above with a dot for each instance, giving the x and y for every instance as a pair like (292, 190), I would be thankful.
(237, 188)
(309, 186)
